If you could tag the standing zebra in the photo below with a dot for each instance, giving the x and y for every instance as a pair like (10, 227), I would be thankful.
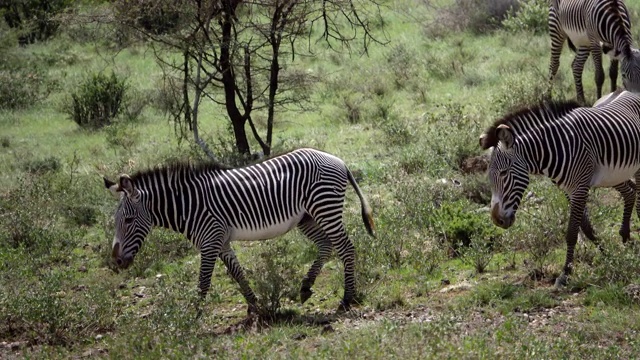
(577, 147)
(213, 205)
(594, 26)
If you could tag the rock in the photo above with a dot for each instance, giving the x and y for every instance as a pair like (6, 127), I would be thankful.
(327, 329)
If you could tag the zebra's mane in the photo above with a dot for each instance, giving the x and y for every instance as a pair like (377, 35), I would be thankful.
(179, 167)
(521, 119)
(194, 167)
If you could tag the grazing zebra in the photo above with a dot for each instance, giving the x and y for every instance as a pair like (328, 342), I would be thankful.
(213, 205)
(594, 26)
(577, 147)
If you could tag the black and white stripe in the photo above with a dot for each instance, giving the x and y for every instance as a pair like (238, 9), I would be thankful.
(577, 148)
(591, 27)
(213, 205)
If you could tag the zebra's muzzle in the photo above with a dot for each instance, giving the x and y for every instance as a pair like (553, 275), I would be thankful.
(123, 262)
(500, 219)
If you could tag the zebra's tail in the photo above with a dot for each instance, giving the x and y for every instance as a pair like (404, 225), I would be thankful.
(367, 212)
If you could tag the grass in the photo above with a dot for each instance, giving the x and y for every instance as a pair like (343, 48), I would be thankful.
(403, 119)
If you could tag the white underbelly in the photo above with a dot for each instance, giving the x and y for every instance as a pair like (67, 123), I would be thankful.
(578, 38)
(266, 232)
(608, 176)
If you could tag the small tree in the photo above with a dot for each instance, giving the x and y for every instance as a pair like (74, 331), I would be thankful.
(235, 53)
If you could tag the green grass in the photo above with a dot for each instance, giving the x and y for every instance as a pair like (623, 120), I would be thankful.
(402, 118)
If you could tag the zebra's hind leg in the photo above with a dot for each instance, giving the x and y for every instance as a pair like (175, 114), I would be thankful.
(315, 233)
(346, 252)
(234, 268)
(627, 190)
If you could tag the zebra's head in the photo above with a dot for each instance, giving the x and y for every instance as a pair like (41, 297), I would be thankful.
(630, 67)
(133, 221)
(508, 176)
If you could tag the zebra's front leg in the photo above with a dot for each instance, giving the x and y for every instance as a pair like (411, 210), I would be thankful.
(627, 190)
(577, 66)
(596, 52)
(312, 231)
(613, 74)
(234, 268)
(208, 256)
(578, 204)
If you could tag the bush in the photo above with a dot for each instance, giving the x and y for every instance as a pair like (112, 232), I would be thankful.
(155, 17)
(35, 19)
(276, 275)
(98, 101)
(50, 164)
(532, 15)
(476, 16)
(519, 90)
(466, 232)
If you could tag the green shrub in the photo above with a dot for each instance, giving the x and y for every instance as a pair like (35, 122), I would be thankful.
(276, 274)
(531, 16)
(461, 227)
(518, 90)
(34, 19)
(98, 101)
(155, 17)
(122, 135)
(476, 16)
(23, 81)
(40, 166)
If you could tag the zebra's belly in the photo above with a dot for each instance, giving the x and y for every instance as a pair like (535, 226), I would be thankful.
(579, 38)
(266, 232)
(608, 176)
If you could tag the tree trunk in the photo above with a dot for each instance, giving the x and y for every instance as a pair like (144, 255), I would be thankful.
(229, 83)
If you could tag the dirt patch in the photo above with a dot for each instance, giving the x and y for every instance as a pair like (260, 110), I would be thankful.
(474, 165)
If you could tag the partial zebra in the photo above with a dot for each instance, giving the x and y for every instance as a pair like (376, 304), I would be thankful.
(577, 148)
(591, 27)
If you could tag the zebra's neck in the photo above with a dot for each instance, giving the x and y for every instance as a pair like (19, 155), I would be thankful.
(173, 197)
(545, 148)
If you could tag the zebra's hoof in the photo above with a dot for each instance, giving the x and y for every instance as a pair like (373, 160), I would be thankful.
(561, 281)
(305, 294)
(343, 307)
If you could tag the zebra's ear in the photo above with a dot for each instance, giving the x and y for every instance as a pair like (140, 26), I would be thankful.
(505, 134)
(126, 184)
(481, 140)
(112, 187)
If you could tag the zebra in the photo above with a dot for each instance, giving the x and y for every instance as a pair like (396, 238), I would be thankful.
(212, 205)
(593, 27)
(578, 148)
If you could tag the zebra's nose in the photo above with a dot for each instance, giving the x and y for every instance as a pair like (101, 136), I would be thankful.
(115, 252)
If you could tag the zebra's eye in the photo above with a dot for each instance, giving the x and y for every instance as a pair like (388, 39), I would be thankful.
(128, 220)
(504, 173)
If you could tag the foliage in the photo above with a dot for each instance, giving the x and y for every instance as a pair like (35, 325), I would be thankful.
(476, 16)
(23, 77)
(467, 233)
(276, 275)
(35, 19)
(154, 17)
(98, 101)
(531, 16)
